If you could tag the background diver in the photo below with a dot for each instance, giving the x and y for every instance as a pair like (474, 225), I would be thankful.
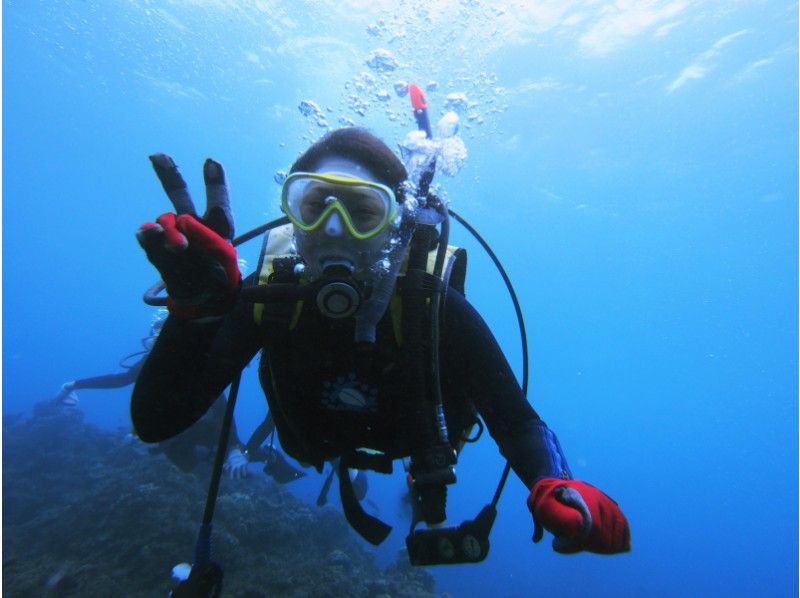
(196, 444)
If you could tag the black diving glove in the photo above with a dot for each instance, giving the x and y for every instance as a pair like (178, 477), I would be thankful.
(194, 256)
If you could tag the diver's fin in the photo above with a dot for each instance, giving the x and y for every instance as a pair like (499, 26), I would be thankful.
(276, 466)
(322, 499)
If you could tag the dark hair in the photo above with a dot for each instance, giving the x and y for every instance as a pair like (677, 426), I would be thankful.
(359, 145)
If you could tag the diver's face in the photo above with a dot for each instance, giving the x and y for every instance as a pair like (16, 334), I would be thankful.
(332, 244)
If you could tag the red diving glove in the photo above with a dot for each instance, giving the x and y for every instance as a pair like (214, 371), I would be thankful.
(580, 516)
(194, 257)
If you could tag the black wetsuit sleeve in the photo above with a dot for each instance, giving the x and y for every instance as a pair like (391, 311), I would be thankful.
(111, 380)
(474, 364)
(189, 366)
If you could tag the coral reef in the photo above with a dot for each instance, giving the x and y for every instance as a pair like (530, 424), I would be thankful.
(88, 512)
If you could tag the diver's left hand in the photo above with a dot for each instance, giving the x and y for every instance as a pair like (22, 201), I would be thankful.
(236, 464)
(580, 516)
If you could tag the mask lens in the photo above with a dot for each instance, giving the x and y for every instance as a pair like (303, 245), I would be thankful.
(307, 199)
(367, 207)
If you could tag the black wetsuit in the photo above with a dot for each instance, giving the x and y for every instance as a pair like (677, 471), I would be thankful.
(327, 399)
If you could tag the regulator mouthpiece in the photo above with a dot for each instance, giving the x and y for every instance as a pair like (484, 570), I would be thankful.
(338, 295)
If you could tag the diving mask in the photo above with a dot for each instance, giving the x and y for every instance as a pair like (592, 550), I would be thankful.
(366, 208)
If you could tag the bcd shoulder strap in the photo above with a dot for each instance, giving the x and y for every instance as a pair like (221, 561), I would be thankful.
(453, 275)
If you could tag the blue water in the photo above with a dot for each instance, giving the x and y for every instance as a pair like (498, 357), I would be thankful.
(634, 165)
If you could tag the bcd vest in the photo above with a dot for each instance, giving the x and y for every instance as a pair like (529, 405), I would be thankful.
(297, 435)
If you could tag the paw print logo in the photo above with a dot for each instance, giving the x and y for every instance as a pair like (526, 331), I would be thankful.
(347, 393)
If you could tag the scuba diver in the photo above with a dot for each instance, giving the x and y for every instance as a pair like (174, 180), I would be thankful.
(196, 444)
(370, 352)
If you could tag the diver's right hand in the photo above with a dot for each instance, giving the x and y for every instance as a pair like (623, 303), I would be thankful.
(194, 256)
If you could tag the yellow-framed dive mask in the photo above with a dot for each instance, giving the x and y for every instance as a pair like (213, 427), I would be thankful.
(366, 208)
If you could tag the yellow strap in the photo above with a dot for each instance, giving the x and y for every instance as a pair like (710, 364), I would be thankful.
(278, 245)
